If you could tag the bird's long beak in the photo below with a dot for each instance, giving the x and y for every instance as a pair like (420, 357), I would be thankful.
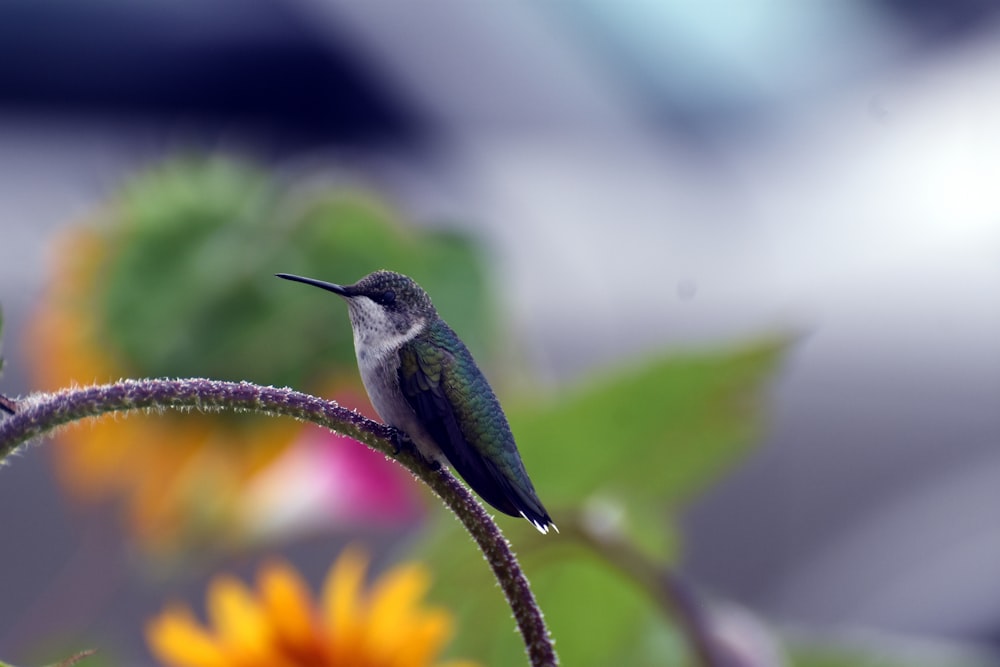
(330, 287)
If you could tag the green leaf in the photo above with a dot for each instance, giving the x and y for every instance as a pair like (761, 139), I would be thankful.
(597, 615)
(658, 431)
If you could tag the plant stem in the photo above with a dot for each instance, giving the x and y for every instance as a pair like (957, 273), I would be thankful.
(674, 597)
(39, 414)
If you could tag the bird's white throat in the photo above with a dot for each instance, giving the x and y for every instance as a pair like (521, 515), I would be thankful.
(376, 333)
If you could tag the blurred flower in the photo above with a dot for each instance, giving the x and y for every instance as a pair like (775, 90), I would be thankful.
(171, 473)
(324, 478)
(174, 279)
(280, 625)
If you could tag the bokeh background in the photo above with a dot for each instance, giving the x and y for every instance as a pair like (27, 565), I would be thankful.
(635, 180)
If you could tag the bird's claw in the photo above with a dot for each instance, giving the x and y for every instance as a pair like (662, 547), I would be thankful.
(400, 441)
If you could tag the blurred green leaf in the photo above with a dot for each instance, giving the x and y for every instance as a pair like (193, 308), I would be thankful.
(597, 616)
(188, 288)
(658, 431)
(649, 527)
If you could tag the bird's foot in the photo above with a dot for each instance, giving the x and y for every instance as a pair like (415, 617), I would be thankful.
(401, 441)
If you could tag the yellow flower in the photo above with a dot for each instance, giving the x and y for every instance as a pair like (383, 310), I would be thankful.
(280, 625)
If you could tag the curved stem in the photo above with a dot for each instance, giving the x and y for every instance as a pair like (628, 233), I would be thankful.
(40, 414)
(670, 592)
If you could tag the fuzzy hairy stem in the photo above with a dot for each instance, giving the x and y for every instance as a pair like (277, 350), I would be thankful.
(40, 414)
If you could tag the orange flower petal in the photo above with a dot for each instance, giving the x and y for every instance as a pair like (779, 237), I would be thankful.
(386, 627)
(343, 606)
(175, 637)
(288, 604)
(239, 621)
(394, 605)
(428, 635)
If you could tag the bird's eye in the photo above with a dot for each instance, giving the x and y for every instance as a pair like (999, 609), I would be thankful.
(388, 297)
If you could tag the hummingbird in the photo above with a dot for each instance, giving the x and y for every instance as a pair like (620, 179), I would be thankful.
(423, 381)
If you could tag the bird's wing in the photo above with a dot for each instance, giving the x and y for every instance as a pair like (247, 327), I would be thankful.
(426, 376)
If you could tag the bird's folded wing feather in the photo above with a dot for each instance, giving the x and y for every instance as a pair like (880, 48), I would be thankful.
(425, 377)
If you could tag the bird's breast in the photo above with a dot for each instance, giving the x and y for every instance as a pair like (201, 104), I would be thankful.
(380, 374)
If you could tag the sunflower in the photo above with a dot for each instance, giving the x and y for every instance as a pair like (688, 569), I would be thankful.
(279, 624)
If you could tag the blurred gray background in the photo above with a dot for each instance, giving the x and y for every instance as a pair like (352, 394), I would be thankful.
(672, 175)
